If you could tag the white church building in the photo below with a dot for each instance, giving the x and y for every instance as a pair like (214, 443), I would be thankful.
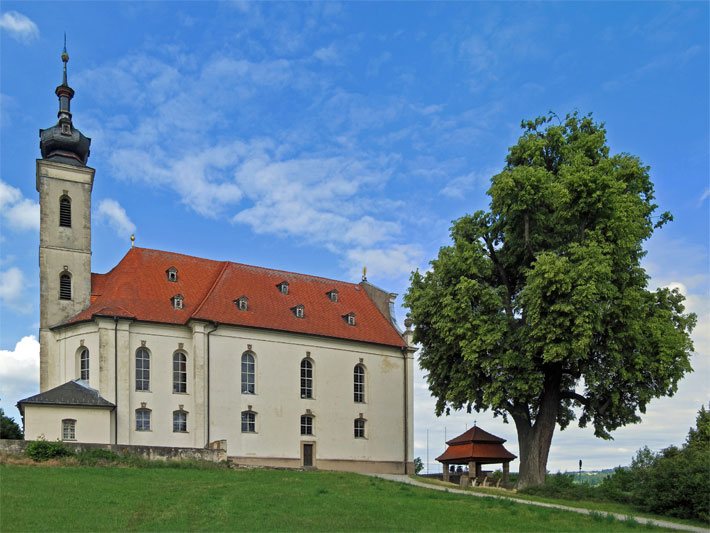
(283, 369)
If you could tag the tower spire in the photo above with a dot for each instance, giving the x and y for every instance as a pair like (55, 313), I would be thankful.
(63, 141)
(65, 60)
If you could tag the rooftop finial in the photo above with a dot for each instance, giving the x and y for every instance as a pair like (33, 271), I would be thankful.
(65, 60)
(364, 273)
(133, 240)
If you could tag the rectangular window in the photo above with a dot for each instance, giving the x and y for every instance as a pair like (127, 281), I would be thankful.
(68, 429)
(179, 422)
(306, 379)
(143, 420)
(359, 428)
(306, 425)
(359, 384)
(248, 422)
(142, 370)
(180, 373)
(248, 374)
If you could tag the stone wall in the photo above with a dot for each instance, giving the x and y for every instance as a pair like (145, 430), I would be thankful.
(147, 452)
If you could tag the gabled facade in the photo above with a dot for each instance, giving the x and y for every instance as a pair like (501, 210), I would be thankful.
(280, 368)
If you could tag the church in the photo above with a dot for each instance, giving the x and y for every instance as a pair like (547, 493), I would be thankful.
(278, 368)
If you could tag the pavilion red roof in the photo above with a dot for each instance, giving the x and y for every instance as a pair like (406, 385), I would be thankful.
(476, 445)
(138, 288)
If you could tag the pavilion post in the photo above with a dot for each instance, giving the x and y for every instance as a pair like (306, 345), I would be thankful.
(446, 471)
(472, 474)
(506, 471)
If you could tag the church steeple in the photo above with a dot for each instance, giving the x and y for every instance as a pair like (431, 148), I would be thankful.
(63, 142)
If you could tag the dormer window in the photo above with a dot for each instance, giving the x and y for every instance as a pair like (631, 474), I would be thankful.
(172, 274)
(177, 301)
(283, 287)
(299, 311)
(350, 319)
(332, 295)
(242, 303)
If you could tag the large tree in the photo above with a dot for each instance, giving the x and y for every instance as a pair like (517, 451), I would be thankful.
(539, 310)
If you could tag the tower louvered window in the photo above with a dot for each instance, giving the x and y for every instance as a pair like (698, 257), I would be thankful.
(65, 212)
(65, 286)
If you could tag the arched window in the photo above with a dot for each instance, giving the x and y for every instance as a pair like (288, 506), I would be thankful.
(65, 211)
(179, 372)
(306, 378)
(68, 429)
(84, 364)
(248, 373)
(359, 428)
(142, 419)
(359, 384)
(180, 421)
(65, 286)
(142, 369)
(307, 425)
(248, 422)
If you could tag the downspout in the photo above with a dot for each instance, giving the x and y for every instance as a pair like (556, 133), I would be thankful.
(115, 378)
(207, 364)
(406, 414)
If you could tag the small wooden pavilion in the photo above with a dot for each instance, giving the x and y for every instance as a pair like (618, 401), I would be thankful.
(474, 448)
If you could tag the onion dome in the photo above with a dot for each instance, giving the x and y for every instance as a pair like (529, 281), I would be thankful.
(63, 142)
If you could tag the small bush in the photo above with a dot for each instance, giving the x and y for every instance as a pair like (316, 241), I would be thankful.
(563, 486)
(97, 456)
(41, 450)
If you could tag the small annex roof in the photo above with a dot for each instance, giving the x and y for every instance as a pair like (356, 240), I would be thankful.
(137, 288)
(74, 393)
(476, 445)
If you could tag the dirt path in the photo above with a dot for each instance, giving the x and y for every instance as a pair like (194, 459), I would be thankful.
(639, 519)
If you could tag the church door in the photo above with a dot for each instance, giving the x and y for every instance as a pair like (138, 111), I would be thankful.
(308, 455)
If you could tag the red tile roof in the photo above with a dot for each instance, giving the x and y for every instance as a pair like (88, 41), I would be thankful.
(479, 452)
(138, 288)
(475, 434)
(477, 445)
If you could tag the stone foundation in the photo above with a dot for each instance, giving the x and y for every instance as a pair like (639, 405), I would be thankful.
(147, 452)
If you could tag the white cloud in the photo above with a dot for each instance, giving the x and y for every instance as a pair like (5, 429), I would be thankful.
(317, 199)
(18, 212)
(460, 186)
(111, 212)
(19, 373)
(392, 261)
(327, 54)
(19, 27)
(13, 282)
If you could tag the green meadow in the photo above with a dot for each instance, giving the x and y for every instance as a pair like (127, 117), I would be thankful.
(86, 498)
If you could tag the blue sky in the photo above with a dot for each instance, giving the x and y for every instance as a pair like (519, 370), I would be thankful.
(323, 137)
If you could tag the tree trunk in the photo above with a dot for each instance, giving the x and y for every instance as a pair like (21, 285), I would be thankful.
(534, 440)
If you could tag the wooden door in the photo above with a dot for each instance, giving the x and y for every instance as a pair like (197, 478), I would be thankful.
(308, 455)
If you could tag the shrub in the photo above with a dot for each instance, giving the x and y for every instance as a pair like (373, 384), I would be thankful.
(97, 456)
(418, 465)
(41, 450)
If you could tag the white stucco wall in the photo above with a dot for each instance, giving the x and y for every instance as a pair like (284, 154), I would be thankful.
(277, 401)
(92, 424)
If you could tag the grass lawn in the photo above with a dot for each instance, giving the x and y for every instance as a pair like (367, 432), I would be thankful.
(66, 498)
(592, 505)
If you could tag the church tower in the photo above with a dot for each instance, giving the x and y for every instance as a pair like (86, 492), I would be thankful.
(64, 183)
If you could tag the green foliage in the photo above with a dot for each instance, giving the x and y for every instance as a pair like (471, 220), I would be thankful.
(97, 456)
(563, 486)
(540, 304)
(9, 429)
(41, 450)
(672, 482)
(418, 465)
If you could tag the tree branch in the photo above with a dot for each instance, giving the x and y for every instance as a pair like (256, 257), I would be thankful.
(503, 276)
(571, 395)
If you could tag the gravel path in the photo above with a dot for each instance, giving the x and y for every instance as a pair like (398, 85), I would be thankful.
(641, 520)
